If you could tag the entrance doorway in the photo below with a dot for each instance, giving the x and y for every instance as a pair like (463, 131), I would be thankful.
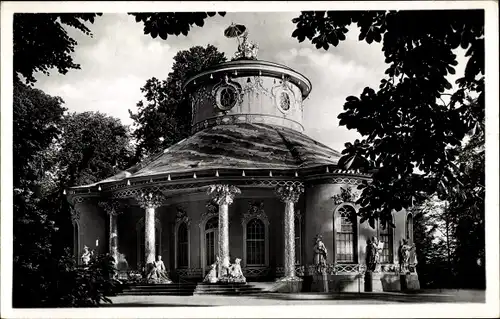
(211, 240)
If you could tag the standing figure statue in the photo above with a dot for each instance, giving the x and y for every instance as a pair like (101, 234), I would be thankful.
(320, 254)
(86, 255)
(373, 250)
(404, 255)
(158, 273)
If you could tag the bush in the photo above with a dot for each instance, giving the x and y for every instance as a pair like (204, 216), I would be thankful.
(63, 283)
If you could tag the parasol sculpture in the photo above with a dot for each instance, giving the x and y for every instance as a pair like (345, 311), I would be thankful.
(235, 31)
(245, 49)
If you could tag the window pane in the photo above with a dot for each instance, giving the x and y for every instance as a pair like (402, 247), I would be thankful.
(386, 237)
(210, 247)
(182, 248)
(255, 242)
(345, 235)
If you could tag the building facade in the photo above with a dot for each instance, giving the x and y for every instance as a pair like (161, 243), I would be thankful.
(248, 183)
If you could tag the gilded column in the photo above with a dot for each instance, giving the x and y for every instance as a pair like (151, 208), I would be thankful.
(149, 201)
(289, 195)
(223, 196)
(113, 208)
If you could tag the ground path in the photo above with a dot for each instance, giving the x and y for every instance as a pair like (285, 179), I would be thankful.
(268, 299)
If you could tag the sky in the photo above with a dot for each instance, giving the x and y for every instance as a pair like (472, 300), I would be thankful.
(119, 58)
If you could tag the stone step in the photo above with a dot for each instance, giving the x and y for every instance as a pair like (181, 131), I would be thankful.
(156, 293)
(227, 293)
(162, 287)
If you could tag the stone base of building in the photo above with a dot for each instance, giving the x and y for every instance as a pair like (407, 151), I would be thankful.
(409, 282)
(373, 282)
(334, 283)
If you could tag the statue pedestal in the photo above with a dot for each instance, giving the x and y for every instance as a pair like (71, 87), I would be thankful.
(320, 283)
(373, 282)
(288, 285)
(409, 282)
(230, 280)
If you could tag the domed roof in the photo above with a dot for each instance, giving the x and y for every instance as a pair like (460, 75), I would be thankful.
(236, 146)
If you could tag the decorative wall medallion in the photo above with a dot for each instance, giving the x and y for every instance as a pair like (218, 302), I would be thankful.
(227, 94)
(181, 216)
(346, 195)
(284, 97)
(255, 210)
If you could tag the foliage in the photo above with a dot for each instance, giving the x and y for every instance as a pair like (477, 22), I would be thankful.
(164, 117)
(455, 255)
(93, 146)
(171, 23)
(405, 123)
(46, 156)
(36, 120)
(41, 43)
(79, 286)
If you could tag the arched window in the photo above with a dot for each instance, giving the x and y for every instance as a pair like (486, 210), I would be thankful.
(182, 246)
(345, 235)
(298, 242)
(211, 240)
(255, 243)
(409, 228)
(386, 236)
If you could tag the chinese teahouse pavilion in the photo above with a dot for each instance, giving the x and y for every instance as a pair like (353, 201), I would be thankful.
(247, 188)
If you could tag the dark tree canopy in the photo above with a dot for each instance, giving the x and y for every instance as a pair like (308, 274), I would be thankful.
(405, 122)
(171, 23)
(164, 117)
(41, 43)
(92, 147)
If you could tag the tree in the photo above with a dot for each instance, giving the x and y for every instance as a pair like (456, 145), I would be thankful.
(467, 208)
(47, 156)
(92, 147)
(41, 43)
(406, 124)
(170, 23)
(164, 117)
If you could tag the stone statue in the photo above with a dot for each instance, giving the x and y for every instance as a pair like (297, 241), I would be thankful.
(236, 272)
(404, 255)
(86, 255)
(373, 249)
(211, 277)
(158, 273)
(320, 254)
(246, 49)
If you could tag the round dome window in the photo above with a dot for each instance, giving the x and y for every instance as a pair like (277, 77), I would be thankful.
(226, 97)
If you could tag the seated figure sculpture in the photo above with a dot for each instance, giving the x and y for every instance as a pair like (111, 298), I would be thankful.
(232, 273)
(235, 271)
(211, 277)
(158, 273)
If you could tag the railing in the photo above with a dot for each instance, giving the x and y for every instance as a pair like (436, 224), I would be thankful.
(250, 272)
